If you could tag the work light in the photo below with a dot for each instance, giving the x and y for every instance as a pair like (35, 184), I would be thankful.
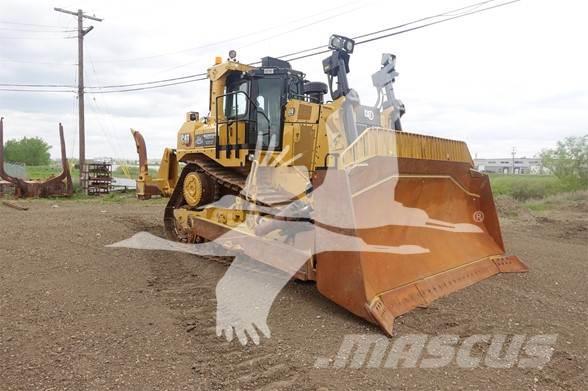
(337, 42)
(388, 59)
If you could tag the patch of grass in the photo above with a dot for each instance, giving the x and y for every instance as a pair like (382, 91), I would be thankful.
(45, 172)
(527, 187)
(577, 200)
(537, 206)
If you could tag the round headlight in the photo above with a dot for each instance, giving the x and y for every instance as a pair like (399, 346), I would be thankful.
(349, 46)
(336, 42)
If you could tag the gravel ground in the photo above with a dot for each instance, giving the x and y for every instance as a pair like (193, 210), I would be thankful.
(76, 315)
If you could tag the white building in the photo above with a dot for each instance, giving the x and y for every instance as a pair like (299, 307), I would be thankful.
(511, 166)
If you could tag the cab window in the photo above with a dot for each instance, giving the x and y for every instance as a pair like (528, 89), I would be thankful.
(236, 102)
(269, 108)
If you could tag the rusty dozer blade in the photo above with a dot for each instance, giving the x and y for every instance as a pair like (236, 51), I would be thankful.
(163, 185)
(428, 214)
(60, 185)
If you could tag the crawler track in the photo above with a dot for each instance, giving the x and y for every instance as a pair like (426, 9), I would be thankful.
(228, 182)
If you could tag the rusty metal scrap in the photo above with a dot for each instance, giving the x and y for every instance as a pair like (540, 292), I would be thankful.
(60, 185)
(14, 206)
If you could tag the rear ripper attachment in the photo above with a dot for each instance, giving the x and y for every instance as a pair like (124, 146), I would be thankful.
(60, 185)
(167, 177)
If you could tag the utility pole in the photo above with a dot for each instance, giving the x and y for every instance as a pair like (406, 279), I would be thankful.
(81, 110)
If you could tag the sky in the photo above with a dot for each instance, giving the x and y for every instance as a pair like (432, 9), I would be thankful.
(512, 77)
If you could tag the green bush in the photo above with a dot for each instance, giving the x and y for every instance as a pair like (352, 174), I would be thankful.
(523, 191)
(569, 161)
(44, 172)
(30, 151)
(526, 187)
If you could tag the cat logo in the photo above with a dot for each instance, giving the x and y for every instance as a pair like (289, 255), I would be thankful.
(369, 114)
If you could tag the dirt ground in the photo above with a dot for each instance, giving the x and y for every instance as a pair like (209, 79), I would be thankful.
(77, 315)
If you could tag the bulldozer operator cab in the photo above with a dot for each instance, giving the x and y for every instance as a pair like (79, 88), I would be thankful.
(258, 97)
(272, 108)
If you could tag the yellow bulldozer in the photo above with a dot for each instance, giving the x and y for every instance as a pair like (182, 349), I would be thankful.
(383, 220)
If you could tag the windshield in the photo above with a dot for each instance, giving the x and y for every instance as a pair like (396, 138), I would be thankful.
(269, 105)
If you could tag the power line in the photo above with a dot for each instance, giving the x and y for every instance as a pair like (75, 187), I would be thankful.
(33, 38)
(37, 85)
(289, 54)
(148, 88)
(313, 23)
(30, 24)
(34, 90)
(35, 31)
(149, 82)
(217, 42)
(322, 49)
(474, 11)
(309, 55)
(403, 31)
(110, 86)
(446, 13)
(438, 22)
(3, 60)
(473, 6)
(357, 43)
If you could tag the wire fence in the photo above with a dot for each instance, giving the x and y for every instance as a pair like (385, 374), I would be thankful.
(16, 170)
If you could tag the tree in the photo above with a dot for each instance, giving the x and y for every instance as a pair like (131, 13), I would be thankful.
(30, 151)
(569, 160)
